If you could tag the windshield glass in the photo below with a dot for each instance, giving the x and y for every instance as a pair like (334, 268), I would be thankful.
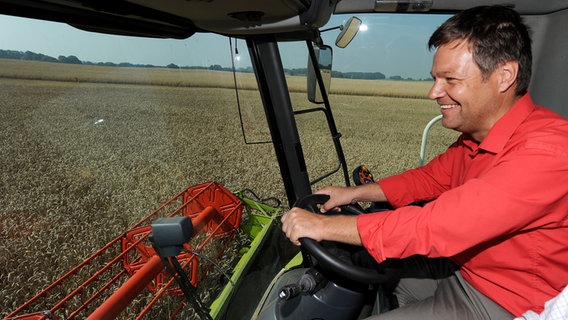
(378, 95)
(97, 130)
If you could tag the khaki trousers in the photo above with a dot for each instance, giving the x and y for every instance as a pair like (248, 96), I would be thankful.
(434, 289)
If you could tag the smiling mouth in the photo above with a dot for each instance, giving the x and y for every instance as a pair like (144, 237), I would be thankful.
(449, 106)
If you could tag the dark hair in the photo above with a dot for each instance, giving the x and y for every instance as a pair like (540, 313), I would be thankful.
(495, 34)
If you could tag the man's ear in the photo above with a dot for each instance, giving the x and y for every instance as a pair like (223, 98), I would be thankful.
(508, 75)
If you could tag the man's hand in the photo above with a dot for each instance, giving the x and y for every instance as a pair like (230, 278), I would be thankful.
(300, 223)
(339, 196)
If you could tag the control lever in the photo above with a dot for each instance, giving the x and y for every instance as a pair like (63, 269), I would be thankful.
(310, 282)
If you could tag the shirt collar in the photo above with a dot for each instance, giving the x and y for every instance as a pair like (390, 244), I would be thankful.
(504, 128)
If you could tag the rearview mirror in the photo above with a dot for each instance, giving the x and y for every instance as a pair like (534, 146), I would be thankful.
(348, 32)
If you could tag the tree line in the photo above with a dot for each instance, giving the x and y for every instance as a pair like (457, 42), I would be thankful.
(28, 55)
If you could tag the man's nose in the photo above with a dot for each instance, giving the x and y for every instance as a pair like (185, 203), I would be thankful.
(437, 91)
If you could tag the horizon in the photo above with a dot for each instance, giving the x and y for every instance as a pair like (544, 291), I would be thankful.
(387, 46)
(211, 67)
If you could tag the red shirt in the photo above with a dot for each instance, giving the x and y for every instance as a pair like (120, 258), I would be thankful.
(500, 209)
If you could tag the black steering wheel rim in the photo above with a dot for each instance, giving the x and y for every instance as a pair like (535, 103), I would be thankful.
(330, 261)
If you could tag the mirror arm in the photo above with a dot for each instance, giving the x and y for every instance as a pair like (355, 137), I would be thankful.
(333, 28)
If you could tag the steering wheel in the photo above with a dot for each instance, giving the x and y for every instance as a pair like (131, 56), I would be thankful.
(330, 261)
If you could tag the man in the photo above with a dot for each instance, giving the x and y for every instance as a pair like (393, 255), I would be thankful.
(497, 199)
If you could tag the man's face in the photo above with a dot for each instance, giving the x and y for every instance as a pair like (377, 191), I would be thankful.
(468, 102)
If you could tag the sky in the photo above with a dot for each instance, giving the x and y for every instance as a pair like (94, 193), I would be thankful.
(392, 44)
